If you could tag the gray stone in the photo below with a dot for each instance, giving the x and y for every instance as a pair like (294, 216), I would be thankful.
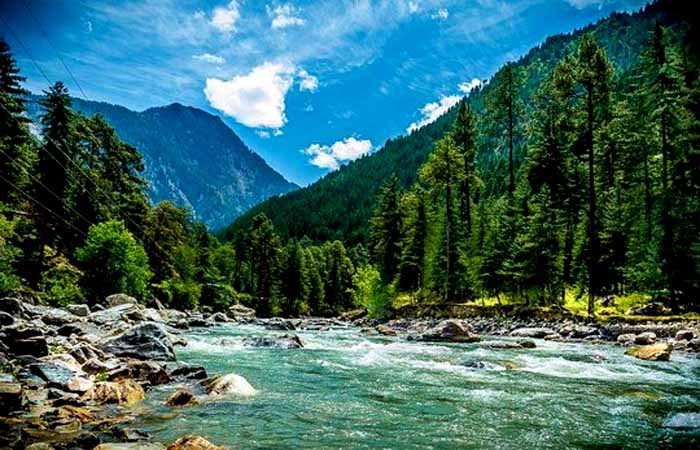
(6, 319)
(626, 338)
(238, 311)
(685, 335)
(120, 299)
(450, 331)
(646, 338)
(287, 342)
(532, 332)
(79, 310)
(147, 341)
(683, 421)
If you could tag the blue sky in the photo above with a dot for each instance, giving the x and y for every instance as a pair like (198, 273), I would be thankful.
(309, 85)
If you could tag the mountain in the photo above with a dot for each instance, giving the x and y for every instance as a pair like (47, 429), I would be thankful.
(192, 158)
(339, 205)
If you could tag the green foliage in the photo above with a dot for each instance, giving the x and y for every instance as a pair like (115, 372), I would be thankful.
(113, 261)
(60, 281)
(370, 293)
(181, 294)
(9, 253)
(385, 232)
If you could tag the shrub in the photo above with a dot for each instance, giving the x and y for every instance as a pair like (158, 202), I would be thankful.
(113, 261)
(59, 283)
(181, 294)
(9, 281)
(370, 293)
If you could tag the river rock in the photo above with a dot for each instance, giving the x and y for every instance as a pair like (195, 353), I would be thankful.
(34, 346)
(193, 442)
(113, 314)
(287, 341)
(685, 335)
(385, 330)
(280, 324)
(79, 310)
(626, 338)
(532, 332)
(131, 446)
(655, 352)
(646, 338)
(85, 352)
(219, 317)
(183, 371)
(182, 397)
(149, 371)
(11, 397)
(120, 299)
(124, 392)
(450, 331)
(514, 345)
(238, 311)
(59, 374)
(144, 341)
(13, 306)
(229, 384)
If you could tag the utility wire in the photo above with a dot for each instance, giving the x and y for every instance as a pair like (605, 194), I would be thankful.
(24, 47)
(58, 54)
(43, 206)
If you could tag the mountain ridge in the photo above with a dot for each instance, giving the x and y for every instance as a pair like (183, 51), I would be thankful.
(192, 158)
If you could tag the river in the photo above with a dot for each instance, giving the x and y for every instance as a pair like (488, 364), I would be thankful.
(347, 390)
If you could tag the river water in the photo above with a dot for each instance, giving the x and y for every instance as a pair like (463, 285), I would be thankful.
(347, 390)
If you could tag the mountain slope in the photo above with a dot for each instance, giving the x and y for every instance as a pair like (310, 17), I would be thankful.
(339, 205)
(193, 158)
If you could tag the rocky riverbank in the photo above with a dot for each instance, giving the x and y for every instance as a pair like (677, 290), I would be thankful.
(74, 378)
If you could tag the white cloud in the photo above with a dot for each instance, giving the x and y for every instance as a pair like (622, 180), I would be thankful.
(431, 111)
(224, 18)
(208, 57)
(257, 99)
(412, 7)
(467, 86)
(307, 82)
(580, 4)
(263, 134)
(284, 16)
(330, 157)
(440, 14)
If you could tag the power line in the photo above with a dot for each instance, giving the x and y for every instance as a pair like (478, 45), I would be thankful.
(58, 54)
(43, 206)
(26, 50)
(56, 196)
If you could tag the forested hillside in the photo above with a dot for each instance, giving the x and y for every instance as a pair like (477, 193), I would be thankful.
(339, 205)
(190, 157)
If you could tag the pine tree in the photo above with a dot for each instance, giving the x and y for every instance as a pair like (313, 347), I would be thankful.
(414, 233)
(295, 280)
(506, 107)
(442, 172)
(338, 282)
(53, 170)
(264, 265)
(386, 230)
(592, 71)
(15, 156)
(465, 137)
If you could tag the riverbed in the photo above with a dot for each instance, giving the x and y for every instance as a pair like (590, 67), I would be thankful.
(348, 390)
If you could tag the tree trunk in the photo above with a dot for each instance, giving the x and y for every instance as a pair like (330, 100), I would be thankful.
(511, 184)
(593, 242)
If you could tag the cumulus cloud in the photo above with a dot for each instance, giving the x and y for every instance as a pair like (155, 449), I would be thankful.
(431, 111)
(580, 4)
(467, 86)
(208, 57)
(307, 82)
(224, 18)
(440, 14)
(284, 16)
(412, 7)
(331, 156)
(257, 99)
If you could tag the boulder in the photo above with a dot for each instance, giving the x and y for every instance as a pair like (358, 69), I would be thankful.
(626, 338)
(79, 310)
(113, 314)
(57, 373)
(385, 330)
(694, 345)
(149, 371)
(649, 309)
(147, 341)
(219, 317)
(532, 332)
(280, 324)
(85, 352)
(120, 299)
(193, 442)
(34, 346)
(646, 338)
(130, 446)
(450, 331)
(552, 337)
(655, 352)
(229, 384)
(56, 316)
(11, 397)
(183, 371)
(287, 341)
(237, 311)
(685, 335)
(511, 345)
(13, 306)
(683, 421)
(123, 392)
(182, 397)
